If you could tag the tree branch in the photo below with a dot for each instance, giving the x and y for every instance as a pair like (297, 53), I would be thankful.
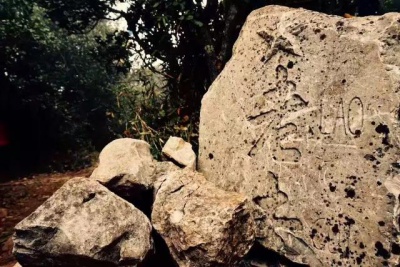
(122, 13)
(151, 67)
(209, 10)
(234, 16)
(114, 19)
(148, 51)
(89, 29)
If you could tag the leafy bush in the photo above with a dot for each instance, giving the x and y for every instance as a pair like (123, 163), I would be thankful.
(145, 111)
(56, 88)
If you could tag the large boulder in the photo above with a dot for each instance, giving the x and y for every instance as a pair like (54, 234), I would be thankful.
(83, 224)
(307, 126)
(128, 169)
(201, 224)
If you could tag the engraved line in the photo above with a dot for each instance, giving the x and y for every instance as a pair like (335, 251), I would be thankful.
(362, 114)
(340, 121)
(250, 118)
(342, 145)
(255, 145)
(296, 114)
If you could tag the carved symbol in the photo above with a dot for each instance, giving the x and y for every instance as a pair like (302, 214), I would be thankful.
(279, 43)
(332, 116)
(355, 116)
(269, 109)
(335, 115)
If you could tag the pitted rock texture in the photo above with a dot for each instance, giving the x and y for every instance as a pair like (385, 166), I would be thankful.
(83, 224)
(201, 224)
(180, 151)
(304, 119)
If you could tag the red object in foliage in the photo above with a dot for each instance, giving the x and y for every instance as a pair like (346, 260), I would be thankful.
(4, 141)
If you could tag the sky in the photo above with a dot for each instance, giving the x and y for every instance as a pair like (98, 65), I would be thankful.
(121, 23)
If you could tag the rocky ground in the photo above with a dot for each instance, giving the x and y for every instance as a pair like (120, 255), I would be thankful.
(21, 197)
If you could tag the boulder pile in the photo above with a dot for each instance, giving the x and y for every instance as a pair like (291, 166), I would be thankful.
(108, 219)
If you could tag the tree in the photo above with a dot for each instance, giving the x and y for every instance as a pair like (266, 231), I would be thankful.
(192, 39)
(55, 88)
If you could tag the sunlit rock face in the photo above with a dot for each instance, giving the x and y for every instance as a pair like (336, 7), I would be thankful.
(202, 225)
(127, 168)
(83, 224)
(304, 120)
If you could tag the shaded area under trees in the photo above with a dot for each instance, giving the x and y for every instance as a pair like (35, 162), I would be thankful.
(54, 89)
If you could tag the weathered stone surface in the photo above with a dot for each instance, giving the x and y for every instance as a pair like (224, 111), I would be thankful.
(164, 167)
(202, 225)
(304, 119)
(83, 224)
(125, 162)
(128, 169)
(180, 151)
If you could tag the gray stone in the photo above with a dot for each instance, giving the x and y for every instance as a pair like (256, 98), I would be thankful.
(83, 224)
(128, 169)
(180, 152)
(201, 224)
(165, 167)
(126, 162)
(304, 120)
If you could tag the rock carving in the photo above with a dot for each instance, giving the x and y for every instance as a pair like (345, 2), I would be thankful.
(307, 127)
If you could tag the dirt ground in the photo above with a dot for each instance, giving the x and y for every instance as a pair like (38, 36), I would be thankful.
(21, 197)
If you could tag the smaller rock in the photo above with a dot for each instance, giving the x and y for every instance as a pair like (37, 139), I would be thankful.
(128, 169)
(83, 224)
(201, 224)
(124, 162)
(180, 152)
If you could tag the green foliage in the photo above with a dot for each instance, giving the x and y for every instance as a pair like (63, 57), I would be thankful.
(55, 88)
(145, 113)
(392, 5)
(190, 40)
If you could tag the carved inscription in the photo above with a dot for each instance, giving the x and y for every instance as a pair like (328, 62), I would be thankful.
(355, 119)
(338, 115)
(286, 44)
(279, 109)
(313, 112)
(268, 108)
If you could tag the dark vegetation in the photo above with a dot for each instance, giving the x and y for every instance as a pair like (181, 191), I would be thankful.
(68, 85)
